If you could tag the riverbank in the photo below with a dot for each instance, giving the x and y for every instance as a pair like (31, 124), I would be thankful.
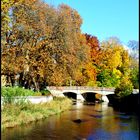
(13, 115)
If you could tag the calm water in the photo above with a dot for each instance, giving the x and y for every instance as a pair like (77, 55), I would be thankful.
(100, 122)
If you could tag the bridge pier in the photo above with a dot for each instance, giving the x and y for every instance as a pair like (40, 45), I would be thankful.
(104, 98)
(80, 97)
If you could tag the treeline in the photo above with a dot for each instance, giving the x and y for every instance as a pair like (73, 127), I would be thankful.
(44, 46)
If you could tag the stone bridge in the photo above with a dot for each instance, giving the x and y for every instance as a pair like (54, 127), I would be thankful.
(80, 90)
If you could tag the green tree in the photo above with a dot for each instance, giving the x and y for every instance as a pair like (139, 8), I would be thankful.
(108, 78)
(134, 77)
(109, 74)
(134, 62)
(124, 88)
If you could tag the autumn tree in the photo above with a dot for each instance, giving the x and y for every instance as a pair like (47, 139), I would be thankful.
(113, 56)
(7, 44)
(91, 68)
(28, 37)
(70, 53)
(44, 45)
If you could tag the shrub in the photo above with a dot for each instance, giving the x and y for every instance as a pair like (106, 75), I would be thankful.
(45, 92)
(9, 93)
(37, 94)
(125, 88)
(16, 91)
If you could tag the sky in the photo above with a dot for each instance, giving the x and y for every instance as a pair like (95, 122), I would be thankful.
(107, 18)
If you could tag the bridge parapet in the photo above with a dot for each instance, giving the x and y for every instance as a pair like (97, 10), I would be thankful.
(80, 88)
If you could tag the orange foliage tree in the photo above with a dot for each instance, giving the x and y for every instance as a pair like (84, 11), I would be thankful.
(44, 45)
(91, 68)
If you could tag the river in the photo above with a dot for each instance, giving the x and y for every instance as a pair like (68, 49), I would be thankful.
(99, 122)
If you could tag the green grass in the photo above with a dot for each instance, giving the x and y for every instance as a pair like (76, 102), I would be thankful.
(13, 115)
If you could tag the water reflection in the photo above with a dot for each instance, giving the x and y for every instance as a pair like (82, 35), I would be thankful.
(105, 135)
(111, 125)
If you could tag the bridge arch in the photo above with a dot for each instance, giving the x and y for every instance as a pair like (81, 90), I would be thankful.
(72, 95)
(92, 96)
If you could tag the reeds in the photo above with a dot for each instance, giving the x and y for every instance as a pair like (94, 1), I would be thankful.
(13, 114)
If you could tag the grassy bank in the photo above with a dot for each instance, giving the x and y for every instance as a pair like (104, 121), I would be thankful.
(14, 115)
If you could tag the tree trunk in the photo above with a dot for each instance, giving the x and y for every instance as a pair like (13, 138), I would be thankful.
(12, 79)
(8, 80)
(36, 84)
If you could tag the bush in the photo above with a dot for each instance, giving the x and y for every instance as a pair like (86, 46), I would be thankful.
(125, 88)
(16, 91)
(9, 93)
(37, 94)
(45, 92)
